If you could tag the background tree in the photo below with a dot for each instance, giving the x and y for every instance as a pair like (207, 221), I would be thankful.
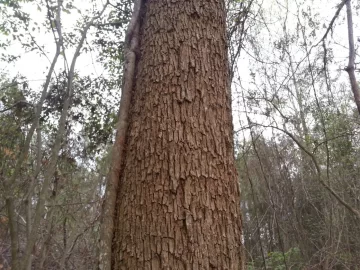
(297, 122)
(46, 161)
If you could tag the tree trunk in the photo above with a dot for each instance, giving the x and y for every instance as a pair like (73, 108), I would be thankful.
(14, 235)
(178, 201)
(351, 65)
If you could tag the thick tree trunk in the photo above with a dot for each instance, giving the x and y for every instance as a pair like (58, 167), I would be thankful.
(178, 201)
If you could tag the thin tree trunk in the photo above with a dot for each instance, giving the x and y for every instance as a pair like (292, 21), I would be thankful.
(351, 65)
(44, 246)
(50, 170)
(14, 236)
(178, 202)
(30, 193)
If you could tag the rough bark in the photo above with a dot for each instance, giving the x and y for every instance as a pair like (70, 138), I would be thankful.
(178, 201)
(117, 155)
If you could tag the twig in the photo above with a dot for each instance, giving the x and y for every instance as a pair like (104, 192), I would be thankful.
(21, 103)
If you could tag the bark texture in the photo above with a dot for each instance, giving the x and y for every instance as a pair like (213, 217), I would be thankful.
(178, 204)
(107, 222)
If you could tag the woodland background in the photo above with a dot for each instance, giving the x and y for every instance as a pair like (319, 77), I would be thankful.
(296, 129)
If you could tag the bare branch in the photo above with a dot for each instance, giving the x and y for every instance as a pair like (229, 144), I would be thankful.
(49, 171)
(19, 104)
(355, 212)
(331, 24)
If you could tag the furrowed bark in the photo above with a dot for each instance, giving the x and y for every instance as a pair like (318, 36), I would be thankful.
(107, 223)
(350, 69)
(178, 202)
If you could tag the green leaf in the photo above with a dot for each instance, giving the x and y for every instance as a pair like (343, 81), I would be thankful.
(66, 11)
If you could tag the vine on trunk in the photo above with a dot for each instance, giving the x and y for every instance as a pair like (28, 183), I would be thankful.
(117, 159)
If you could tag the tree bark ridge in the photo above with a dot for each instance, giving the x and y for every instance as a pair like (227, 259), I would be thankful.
(178, 201)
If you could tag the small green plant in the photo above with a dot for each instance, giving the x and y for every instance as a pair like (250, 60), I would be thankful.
(276, 260)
